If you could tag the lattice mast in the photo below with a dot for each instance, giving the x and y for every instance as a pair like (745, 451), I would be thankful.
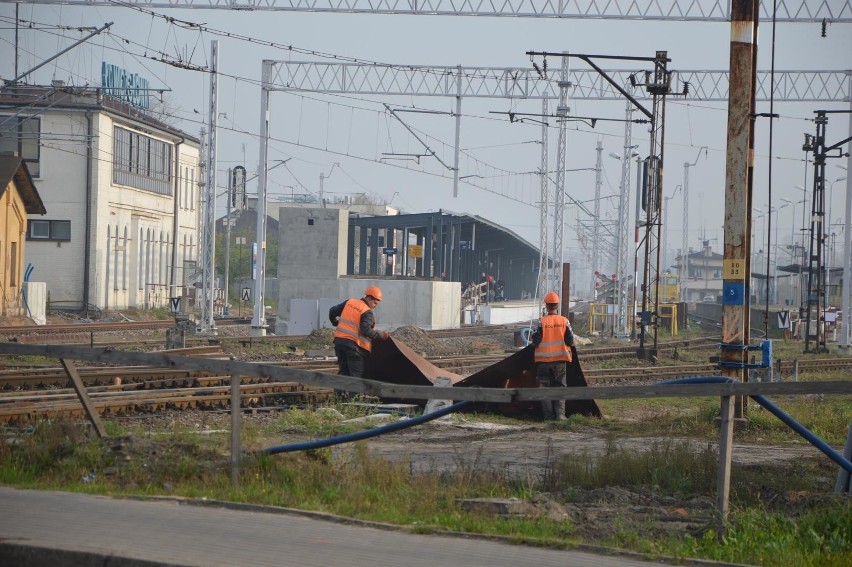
(562, 111)
(208, 278)
(658, 87)
(544, 209)
(623, 228)
(815, 302)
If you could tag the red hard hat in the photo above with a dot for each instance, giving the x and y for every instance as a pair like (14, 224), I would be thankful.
(373, 291)
(551, 297)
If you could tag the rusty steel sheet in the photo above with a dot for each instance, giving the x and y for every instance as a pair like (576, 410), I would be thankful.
(394, 362)
(518, 371)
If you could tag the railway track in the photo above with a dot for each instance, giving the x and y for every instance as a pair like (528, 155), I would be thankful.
(27, 406)
(134, 389)
(26, 393)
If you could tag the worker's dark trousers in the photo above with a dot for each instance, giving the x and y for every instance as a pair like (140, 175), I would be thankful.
(552, 375)
(350, 359)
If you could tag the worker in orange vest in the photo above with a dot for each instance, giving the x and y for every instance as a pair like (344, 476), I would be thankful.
(355, 331)
(553, 340)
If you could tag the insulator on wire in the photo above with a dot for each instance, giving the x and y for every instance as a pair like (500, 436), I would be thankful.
(824, 28)
(537, 69)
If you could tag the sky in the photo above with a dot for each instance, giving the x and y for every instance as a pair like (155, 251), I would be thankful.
(348, 139)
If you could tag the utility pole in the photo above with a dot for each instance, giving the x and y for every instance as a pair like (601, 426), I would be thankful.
(208, 279)
(846, 329)
(258, 322)
(684, 255)
(596, 247)
(322, 178)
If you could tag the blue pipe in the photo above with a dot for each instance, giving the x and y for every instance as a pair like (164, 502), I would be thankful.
(349, 437)
(777, 412)
(525, 334)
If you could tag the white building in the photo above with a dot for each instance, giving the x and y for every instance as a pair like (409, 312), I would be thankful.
(122, 191)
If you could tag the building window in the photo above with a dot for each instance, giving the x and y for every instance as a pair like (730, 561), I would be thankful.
(49, 230)
(141, 162)
(21, 135)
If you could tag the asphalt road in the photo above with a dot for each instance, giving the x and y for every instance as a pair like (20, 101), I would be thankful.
(59, 529)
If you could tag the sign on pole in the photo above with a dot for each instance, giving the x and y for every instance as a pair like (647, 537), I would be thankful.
(246, 294)
(174, 303)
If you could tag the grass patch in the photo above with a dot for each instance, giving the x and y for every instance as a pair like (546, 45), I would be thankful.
(780, 514)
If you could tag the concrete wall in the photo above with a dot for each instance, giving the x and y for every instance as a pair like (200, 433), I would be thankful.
(62, 187)
(313, 242)
(501, 313)
(312, 257)
(424, 304)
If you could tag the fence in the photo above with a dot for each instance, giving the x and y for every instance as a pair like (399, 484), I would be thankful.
(236, 369)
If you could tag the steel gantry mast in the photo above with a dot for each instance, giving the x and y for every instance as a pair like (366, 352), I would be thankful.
(562, 111)
(666, 10)
(623, 229)
(208, 256)
(544, 207)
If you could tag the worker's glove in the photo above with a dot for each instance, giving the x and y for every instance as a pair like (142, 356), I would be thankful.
(384, 335)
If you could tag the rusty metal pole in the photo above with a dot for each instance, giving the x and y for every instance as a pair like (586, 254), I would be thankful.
(741, 402)
(736, 265)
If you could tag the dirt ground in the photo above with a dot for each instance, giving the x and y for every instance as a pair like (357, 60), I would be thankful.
(524, 452)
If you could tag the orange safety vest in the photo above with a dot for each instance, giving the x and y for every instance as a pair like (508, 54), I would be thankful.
(349, 324)
(552, 347)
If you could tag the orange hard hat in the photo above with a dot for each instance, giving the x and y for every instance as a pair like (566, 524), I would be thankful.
(551, 297)
(373, 291)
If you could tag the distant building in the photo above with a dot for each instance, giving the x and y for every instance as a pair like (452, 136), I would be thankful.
(122, 191)
(19, 199)
(704, 278)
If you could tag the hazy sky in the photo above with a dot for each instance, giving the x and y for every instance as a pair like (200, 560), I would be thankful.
(356, 132)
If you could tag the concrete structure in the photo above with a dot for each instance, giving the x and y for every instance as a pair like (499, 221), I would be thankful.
(313, 252)
(19, 198)
(122, 191)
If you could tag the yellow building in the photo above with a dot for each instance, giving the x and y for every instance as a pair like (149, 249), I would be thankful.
(18, 199)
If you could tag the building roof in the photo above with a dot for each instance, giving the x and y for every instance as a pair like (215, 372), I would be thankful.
(40, 98)
(13, 167)
(488, 234)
